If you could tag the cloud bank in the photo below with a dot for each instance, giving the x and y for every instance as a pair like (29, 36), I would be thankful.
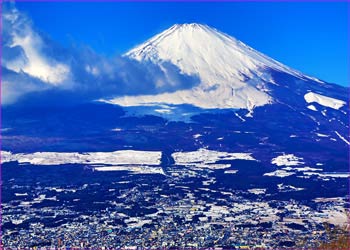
(36, 69)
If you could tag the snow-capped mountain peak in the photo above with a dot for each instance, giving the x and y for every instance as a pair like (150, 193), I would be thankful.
(197, 47)
(232, 74)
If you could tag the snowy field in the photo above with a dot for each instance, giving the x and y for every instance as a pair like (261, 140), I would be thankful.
(204, 158)
(122, 157)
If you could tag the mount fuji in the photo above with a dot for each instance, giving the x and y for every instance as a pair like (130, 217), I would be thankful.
(232, 75)
(244, 100)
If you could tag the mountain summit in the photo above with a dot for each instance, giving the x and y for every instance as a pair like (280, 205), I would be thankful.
(198, 48)
(232, 75)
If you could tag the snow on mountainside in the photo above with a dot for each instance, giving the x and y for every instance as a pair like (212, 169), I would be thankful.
(324, 100)
(232, 74)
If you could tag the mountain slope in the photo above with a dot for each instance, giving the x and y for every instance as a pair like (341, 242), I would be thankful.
(232, 75)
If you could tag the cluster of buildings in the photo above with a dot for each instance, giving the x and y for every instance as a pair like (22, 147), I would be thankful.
(166, 215)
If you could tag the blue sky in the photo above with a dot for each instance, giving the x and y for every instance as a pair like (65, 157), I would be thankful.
(310, 37)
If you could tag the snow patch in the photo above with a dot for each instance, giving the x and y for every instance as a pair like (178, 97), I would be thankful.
(231, 171)
(205, 156)
(163, 111)
(342, 138)
(307, 169)
(331, 175)
(240, 117)
(279, 173)
(257, 191)
(134, 169)
(321, 135)
(312, 107)
(288, 188)
(212, 166)
(324, 100)
(287, 160)
(197, 136)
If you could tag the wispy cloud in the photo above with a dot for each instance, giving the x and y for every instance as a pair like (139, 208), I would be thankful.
(36, 67)
(26, 51)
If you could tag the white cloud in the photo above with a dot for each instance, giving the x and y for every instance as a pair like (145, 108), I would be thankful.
(14, 85)
(36, 67)
(32, 60)
(37, 64)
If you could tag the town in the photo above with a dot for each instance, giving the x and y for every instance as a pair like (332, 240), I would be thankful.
(156, 211)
